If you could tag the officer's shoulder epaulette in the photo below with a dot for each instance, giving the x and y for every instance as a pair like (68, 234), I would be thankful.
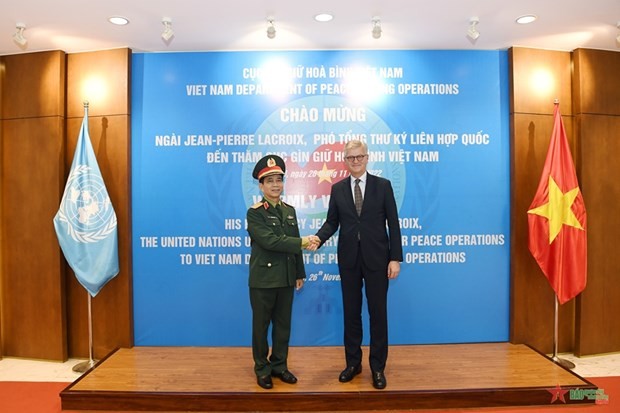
(257, 205)
(288, 205)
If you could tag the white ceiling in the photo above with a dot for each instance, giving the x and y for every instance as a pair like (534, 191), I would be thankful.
(209, 25)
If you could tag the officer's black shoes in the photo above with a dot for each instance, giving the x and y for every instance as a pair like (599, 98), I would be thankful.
(350, 372)
(265, 382)
(286, 376)
(378, 380)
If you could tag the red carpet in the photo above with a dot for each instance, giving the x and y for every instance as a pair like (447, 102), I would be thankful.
(42, 397)
(30, 397)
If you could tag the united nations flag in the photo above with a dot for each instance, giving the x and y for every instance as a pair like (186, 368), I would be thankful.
(86, 222)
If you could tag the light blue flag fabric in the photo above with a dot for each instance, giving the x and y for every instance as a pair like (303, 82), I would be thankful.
(86, 224)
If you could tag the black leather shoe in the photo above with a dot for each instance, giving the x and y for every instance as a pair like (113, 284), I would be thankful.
(286, 376)
(378, 380)
(265, 382)
(350, 372)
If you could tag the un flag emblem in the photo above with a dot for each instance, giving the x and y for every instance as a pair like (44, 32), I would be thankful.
(86, 206)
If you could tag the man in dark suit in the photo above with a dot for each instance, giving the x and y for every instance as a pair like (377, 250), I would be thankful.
(368, 255)
(276, 267)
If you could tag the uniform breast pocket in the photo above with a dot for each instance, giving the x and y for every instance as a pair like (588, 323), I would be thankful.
(276, 225)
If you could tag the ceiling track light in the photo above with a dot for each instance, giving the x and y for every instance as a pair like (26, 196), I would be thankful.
(18, 36)
(271, 29)
(472, 31)
(376, 28)
(168, 32)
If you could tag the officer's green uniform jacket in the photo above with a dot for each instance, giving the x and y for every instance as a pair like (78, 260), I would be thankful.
(276, 259)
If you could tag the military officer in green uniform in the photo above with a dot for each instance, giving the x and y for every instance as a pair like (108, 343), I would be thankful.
(276, 269)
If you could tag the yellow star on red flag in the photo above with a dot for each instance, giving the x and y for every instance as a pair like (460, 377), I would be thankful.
(558, 210)
(557, 219)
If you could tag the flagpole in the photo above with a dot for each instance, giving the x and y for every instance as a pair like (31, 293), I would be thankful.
(562, 362)
(85, 365)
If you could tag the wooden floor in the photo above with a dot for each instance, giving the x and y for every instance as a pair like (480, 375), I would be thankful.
(419, 377)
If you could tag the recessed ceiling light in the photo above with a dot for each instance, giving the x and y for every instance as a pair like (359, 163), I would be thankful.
(527, 18)
(118, 20)
(323, 17)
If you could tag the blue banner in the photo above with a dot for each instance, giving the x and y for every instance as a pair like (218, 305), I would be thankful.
(436, 123)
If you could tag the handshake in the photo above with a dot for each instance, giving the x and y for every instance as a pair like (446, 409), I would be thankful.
(310, 242)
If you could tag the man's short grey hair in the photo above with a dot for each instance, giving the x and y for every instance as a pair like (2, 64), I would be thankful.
(354, 144)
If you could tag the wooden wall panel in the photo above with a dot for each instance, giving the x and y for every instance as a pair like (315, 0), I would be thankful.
(598, 324)
(108, 74)
(597, 100)
(34, 85)
(538, 77)
(32, 277)
(33, 299)
(596, 82)
(103, 78)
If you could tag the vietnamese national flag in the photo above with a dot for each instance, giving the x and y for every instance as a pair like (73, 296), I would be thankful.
(557, 219)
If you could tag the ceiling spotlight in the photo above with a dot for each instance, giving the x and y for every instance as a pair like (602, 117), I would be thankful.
(526, 19)
(168, 32)
(271, 30)
(18, 36)
(473, 32)
(323, 17)
(376, 28)
(118, 20)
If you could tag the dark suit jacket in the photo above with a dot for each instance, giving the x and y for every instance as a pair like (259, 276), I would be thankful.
(377, 246)
(276, 259)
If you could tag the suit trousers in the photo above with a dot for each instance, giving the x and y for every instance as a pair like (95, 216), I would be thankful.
(271, 306)
(375, 283)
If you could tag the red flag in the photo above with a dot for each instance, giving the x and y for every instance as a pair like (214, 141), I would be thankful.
(557, 219)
